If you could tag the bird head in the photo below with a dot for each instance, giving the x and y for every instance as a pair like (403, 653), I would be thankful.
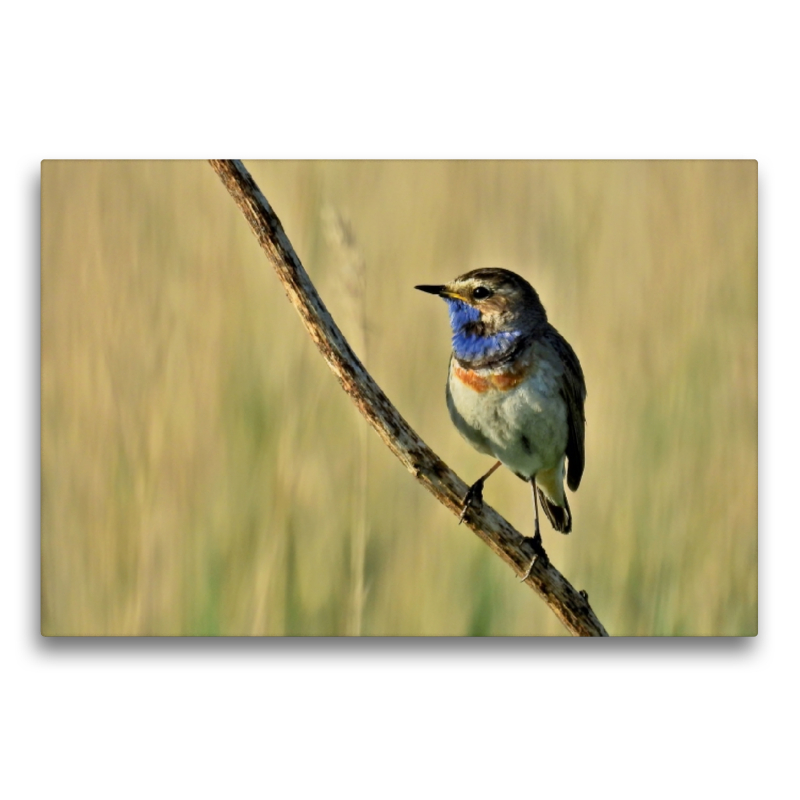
(490, 309)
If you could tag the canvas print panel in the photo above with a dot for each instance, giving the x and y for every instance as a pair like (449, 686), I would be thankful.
(204, 474)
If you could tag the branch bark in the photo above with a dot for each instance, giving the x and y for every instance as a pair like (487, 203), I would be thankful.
(569, 605)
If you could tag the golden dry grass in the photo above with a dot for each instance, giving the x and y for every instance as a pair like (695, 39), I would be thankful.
(201, 468)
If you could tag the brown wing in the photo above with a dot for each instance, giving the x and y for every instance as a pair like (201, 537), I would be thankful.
(573, 390)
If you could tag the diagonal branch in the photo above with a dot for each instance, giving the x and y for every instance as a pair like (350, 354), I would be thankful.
(570, 606)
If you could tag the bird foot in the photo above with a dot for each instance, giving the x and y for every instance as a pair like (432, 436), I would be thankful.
(472, 499)
(539, 553)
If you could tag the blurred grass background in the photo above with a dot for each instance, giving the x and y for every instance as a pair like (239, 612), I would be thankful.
(204, 474)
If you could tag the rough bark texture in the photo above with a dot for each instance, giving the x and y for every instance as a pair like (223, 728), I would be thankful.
(569, 605)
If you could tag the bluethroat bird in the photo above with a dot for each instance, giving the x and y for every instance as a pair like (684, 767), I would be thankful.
(515, 390)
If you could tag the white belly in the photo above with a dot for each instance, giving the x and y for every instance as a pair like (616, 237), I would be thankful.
(524, 427)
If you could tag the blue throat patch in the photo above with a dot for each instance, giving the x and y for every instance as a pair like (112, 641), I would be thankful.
(469, 346)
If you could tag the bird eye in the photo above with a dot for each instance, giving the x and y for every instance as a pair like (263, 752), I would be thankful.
(481, 293)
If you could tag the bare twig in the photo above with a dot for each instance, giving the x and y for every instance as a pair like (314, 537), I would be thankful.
(570, 606)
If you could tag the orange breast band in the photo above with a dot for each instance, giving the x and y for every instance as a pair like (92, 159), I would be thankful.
(498, 380)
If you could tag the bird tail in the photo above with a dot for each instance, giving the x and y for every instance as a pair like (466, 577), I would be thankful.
(560, 516)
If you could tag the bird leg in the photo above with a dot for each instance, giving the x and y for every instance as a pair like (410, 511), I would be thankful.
(538, 547)
(474, 496)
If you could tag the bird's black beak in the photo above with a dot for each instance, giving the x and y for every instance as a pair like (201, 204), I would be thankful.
(431, 289)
